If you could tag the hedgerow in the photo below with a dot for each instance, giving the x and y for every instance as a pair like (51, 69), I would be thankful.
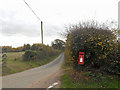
(99, 44)
(42, 52)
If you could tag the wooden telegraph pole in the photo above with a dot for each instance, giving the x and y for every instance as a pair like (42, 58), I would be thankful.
(42, 32)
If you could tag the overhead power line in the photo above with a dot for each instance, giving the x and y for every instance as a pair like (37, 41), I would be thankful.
(31, 9)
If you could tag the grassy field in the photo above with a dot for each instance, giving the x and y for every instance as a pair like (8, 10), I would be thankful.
(85, 81)
(16, 64)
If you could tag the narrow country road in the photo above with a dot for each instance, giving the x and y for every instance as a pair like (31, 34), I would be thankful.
(41, 77)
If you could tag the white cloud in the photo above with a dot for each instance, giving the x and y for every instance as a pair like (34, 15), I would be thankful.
(20, 25)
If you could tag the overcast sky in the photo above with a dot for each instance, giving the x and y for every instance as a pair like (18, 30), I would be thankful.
(18, 25)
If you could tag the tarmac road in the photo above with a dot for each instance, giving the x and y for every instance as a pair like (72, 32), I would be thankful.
(41, 77)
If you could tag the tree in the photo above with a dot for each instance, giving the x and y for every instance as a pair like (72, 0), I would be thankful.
(58, 44)
(27, 46)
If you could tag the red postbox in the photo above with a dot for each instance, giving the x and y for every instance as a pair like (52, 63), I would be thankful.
(81, 58)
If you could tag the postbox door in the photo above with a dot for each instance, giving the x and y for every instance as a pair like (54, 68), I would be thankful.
(81, 59)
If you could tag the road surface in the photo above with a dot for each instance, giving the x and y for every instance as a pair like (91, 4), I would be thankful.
(41, 77)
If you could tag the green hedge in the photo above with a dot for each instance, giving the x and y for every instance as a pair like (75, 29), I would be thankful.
(99, 44)
(40, 54)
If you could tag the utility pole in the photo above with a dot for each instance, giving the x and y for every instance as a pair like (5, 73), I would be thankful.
(38, 19)
(42, 31)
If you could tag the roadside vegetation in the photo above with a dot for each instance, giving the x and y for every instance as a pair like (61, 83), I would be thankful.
(102, 57)
(30, 57)
(88, 79)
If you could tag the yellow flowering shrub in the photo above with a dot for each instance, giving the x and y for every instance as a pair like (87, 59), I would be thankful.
(99, 44)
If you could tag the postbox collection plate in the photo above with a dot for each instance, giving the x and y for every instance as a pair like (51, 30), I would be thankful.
(81, 58)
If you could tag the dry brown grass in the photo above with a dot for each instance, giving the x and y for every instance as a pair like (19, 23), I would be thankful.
(79, 76)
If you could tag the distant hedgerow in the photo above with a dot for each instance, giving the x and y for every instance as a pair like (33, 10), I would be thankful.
(39, 52)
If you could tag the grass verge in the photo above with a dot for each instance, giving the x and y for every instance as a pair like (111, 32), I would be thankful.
(71, 79)
(16, 64)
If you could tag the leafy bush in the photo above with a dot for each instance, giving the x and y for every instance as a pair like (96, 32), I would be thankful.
(30, 55)
(99, 44)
